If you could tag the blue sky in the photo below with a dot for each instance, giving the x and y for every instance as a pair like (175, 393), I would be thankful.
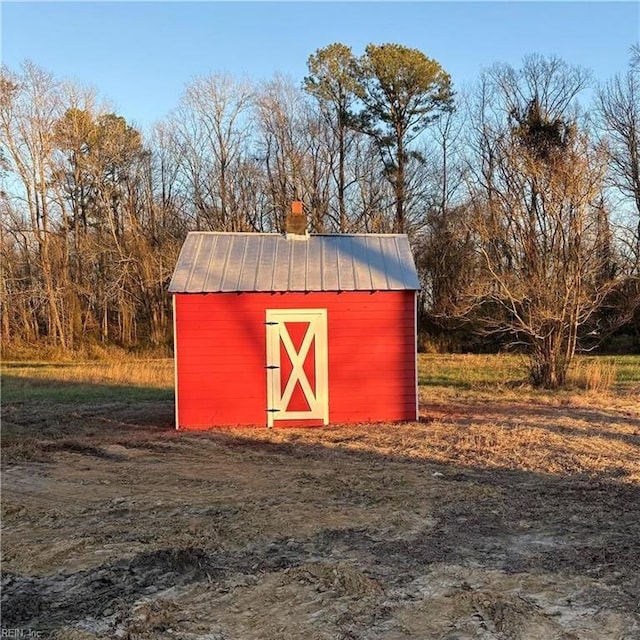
(140, 55)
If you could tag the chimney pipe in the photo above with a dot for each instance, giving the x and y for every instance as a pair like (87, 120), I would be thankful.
(296, 221)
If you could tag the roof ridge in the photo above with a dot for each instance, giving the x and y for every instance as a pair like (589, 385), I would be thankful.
(311, 235)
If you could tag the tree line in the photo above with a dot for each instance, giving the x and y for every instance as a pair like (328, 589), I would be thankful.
(521, 200)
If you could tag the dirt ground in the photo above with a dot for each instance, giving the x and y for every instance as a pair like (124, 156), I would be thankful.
(485, 520)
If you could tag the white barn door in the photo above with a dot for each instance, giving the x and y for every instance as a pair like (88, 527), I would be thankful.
(297, 368)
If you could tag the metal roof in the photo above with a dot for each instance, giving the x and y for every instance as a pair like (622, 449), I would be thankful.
(212, 262)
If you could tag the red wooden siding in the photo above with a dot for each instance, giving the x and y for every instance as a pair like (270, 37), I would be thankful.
(221, 355)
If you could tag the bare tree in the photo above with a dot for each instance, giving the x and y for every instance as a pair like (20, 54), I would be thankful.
(536, 198)
(30, 103)
(291, 145)
(212, 128)
(618, 107)
(369, 202)
(443, 245)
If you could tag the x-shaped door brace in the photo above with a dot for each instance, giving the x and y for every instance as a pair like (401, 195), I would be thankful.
(298, 373)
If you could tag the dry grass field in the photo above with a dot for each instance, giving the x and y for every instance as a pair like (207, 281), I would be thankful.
(504, 513)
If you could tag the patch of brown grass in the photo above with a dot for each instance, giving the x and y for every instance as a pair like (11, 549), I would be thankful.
(559, 440)
(157, 373)
(593, 375)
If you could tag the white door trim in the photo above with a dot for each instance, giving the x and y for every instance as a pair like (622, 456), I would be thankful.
(277, 334)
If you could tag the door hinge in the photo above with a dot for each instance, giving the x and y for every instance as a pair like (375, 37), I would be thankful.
(272, 366)
(269, 322)
(273, 410)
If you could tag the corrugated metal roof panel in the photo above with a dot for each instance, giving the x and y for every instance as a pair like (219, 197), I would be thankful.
(393, 267)
(248, 271)
(200, 269)
(314, 268)
(329, 280)
(228, 262)
(215, 260)
(186, 259)
(346, 278)
(361, 263)
(266, 263)
(376, 263)
(298, 266)
(281, 267)
(405, 261)
(234, 263)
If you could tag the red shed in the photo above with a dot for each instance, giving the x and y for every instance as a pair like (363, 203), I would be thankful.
(294, 330)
